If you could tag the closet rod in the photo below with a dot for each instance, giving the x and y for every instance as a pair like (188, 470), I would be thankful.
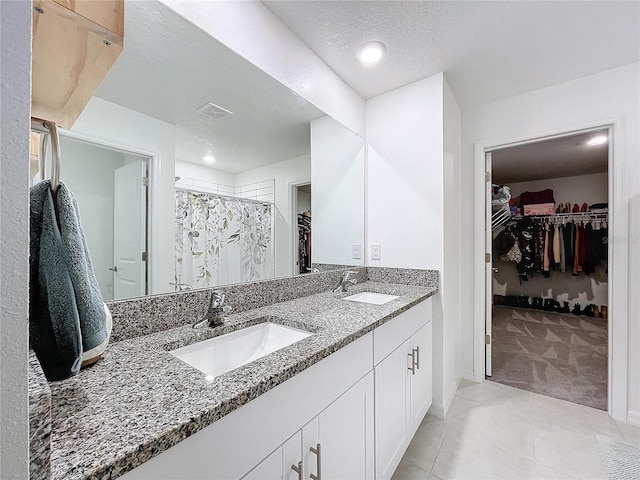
(591, 215)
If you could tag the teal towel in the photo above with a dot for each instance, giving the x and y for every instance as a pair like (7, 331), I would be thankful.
(66, 314)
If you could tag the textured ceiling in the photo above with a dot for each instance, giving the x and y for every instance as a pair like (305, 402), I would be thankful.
(488, 50)
(169, 68)
(558, 157)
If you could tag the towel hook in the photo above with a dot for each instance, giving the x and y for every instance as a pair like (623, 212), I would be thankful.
(55, 150)
(52, 133)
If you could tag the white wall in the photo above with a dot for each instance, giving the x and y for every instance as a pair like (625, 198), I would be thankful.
(451, 271)
(597, 99)
(304, 202)
(337, 183)
(204, 178)
(578, 189)
(405, 197)
(405, 172)
(294, 170)
(15, 99)
(251, 30)
(89, 174)
(112, 125)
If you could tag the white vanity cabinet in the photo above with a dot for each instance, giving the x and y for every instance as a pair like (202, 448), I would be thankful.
(331, 402)
(344, 432)
(335, 445)
(361, 405)
(403, 383)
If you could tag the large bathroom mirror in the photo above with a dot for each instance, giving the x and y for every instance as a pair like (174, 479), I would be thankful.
(193, 168)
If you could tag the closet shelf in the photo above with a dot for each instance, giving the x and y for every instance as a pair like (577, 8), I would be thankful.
(570, 216)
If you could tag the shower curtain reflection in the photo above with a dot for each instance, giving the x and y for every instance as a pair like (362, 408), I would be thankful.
(222, 240)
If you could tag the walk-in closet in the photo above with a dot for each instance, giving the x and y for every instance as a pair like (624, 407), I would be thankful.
(550, 216)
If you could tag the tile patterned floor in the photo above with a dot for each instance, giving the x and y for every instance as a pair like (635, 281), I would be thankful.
(556, 354)
(495, 431)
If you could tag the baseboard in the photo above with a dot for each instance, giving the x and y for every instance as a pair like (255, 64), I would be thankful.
(437, 410)
(633, 418)
(469, 375)
(440, 409)
(450, 395)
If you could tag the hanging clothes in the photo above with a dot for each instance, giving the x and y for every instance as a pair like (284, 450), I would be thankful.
(562, 265)
(526, 241)
(546, 247)
(569, 242)
(304, 241)
(556, 248)
(589, 262)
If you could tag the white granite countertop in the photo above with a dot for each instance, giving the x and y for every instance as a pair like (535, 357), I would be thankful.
(139, 400)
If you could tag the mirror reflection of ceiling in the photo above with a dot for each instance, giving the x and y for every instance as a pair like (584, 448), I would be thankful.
(555, 158)
(170, 68)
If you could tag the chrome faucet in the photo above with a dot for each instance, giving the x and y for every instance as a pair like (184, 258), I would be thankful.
(182, 287)
(345, 281)
(217, 310)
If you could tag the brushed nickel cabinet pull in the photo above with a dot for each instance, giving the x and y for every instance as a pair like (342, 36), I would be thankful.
(298, 469)
(318, 462)
(413, 362)
(417, 352)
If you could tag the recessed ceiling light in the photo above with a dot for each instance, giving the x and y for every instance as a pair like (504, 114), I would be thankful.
(371, 52)
(598, 140)
(209, 158)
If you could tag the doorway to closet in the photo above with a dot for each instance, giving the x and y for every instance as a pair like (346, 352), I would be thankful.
(547, 309)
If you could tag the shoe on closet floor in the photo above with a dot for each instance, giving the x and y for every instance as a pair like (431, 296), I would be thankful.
(576, 309)
(511, 301)
(588, 310)
(596, 311)
(565, 308)
(603, 309)
(548, 305)
(523, 302)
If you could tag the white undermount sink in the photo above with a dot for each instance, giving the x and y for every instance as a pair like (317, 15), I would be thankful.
(371, 297)
(222, 354)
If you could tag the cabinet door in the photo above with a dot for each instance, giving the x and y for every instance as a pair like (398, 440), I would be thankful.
(421, 381)
(291, 456)
(277, 466)
(270, 467)
(344, 431)
(392, 433)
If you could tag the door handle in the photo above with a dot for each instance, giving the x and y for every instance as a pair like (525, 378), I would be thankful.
(298, 469)
(318, 463)
(417, 358)
(412, 368)
(114, 269)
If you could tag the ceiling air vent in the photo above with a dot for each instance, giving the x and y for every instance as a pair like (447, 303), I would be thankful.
(214, 111)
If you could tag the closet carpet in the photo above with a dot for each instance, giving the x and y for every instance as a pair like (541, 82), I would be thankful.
(556, 354)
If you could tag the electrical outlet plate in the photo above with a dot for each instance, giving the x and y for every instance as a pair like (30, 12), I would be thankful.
(375, 251)
(356, 251)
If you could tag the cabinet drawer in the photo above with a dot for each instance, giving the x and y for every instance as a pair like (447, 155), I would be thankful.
(387, 337)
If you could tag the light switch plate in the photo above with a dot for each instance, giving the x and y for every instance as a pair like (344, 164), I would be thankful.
(356, 251)
(375, 251)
